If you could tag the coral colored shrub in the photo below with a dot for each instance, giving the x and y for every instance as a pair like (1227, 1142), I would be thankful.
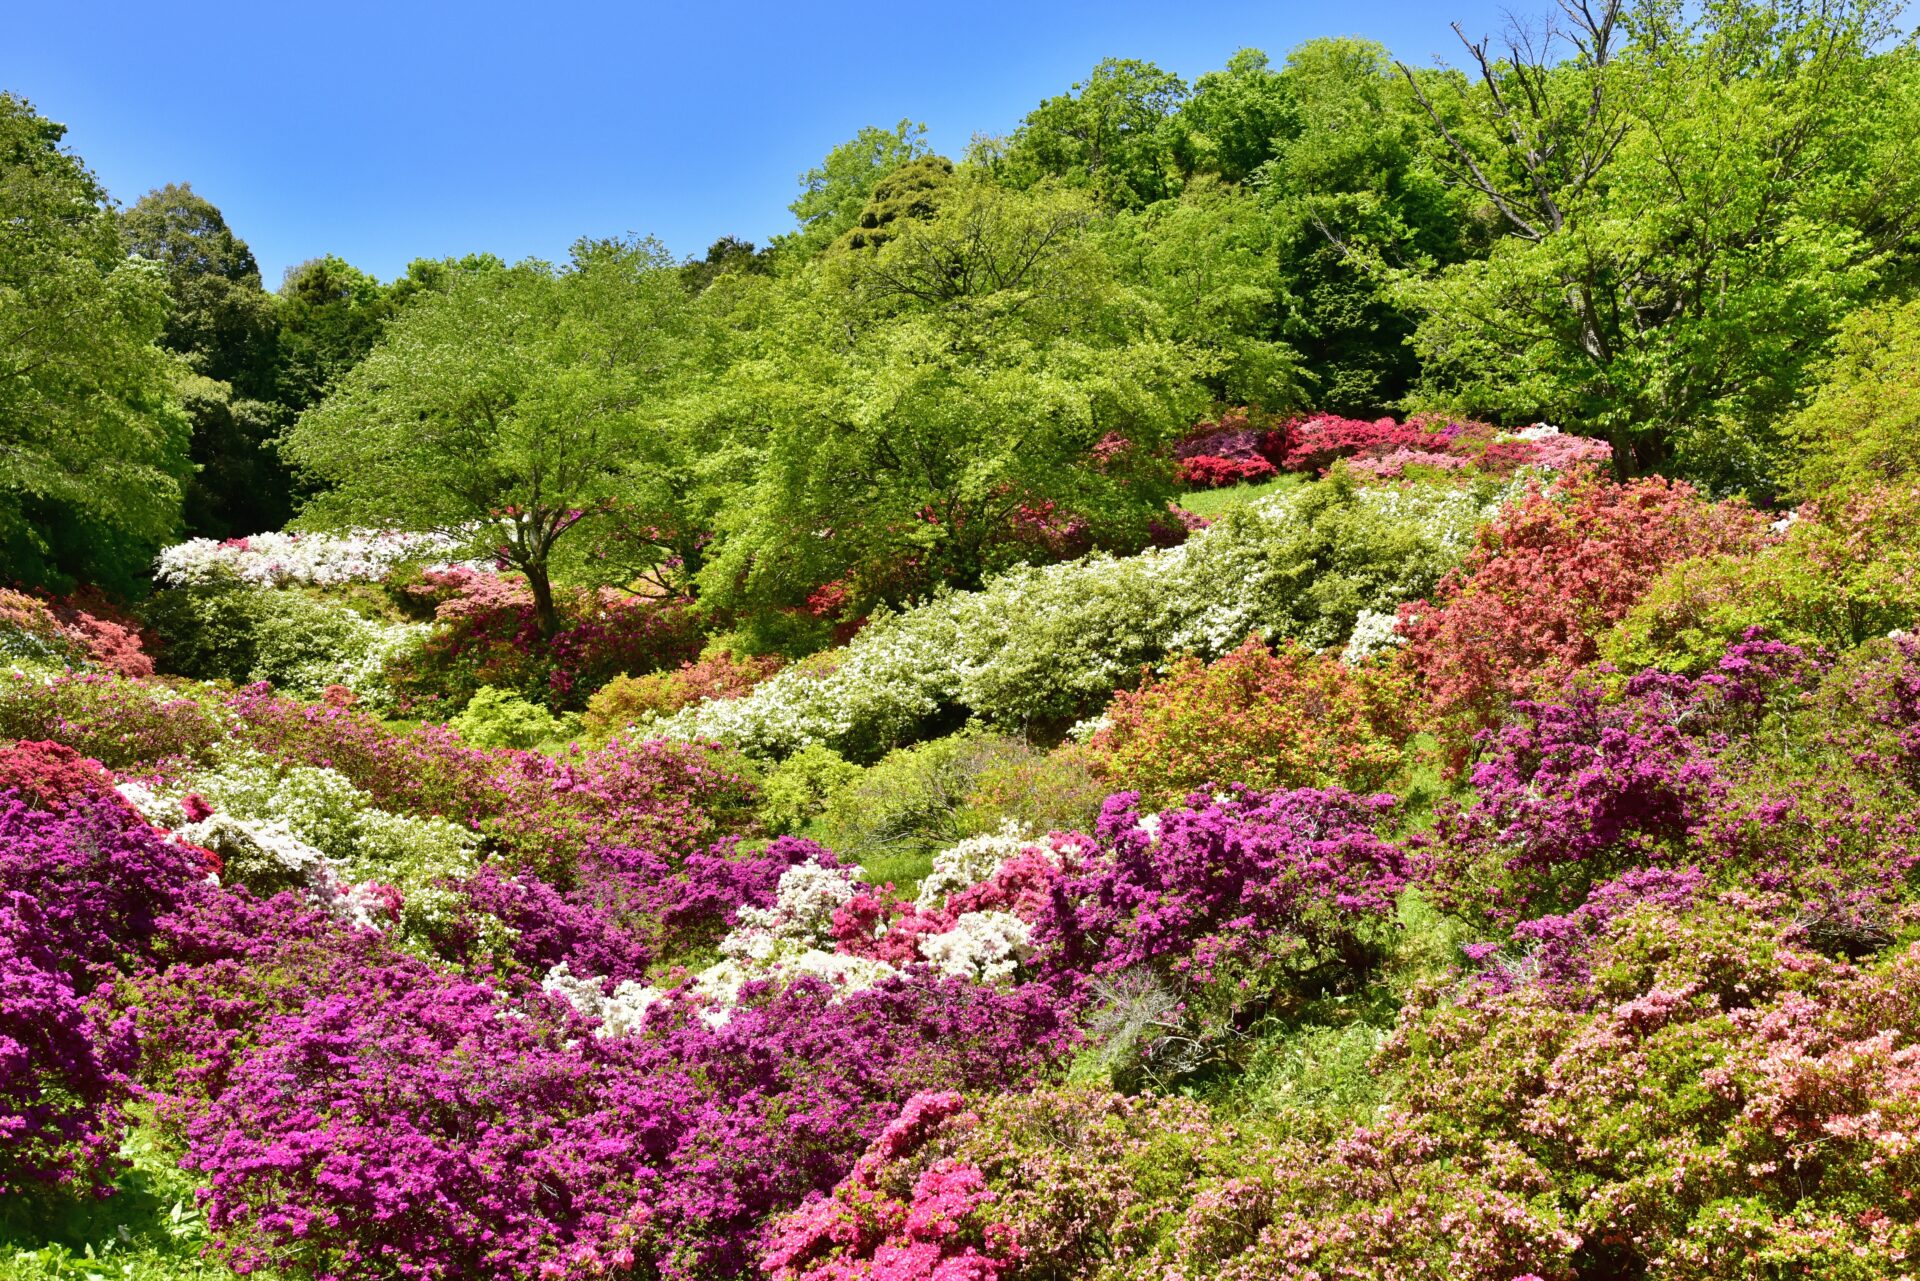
(1552, 572)
(627, 700)
(1839, 576)
(1724, 1094)
(1266, 719)
(107, 635)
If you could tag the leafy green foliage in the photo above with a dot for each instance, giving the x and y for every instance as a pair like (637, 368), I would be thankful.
(93, 444)
(501, 718)
(517, 396)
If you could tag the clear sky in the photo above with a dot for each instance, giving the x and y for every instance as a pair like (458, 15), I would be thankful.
(384, 132)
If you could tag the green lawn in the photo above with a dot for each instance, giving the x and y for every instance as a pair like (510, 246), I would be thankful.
(1214, 503)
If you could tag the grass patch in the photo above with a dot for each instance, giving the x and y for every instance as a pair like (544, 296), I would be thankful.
(1215, 503)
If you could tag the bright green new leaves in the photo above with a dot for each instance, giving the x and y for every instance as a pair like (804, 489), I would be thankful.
(92, 440)
(909, 414)
(1688, 208)
(523, 402)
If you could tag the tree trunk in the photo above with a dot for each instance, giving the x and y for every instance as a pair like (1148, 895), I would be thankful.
(541, 586)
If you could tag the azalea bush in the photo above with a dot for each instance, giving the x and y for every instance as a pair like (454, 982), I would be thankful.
(1264, 718)
(1049, 645)
(625, 700)
(487, 633)
(1562, 564)
(1722, 1091)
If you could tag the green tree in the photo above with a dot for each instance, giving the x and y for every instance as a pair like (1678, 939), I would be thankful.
(1353, 199)
(93, 444)
(523, 404)
(222, 323)
(910, 193)
(1687, 205)
(1116, 133)
(331, 313)
(832, 193)
(1237, 115)
(901, 416)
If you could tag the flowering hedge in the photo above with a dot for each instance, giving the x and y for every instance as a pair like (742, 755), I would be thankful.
(1054, 642)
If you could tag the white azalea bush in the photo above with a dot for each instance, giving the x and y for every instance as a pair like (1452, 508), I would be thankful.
(298, 825)
(1054, 641)
(302, 560)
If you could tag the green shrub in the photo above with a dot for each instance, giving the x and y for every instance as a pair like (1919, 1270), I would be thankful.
(500, 718)
(917, 800)
(798, 789)
(1861, 430)
(299, 641)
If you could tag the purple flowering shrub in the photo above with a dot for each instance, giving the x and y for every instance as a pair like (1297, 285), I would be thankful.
(1224, 880)
(62, 1082)
(358, 1114)
(1569, 793)
(628, 909)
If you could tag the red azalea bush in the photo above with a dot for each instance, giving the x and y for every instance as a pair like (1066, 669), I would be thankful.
(1240, 446)
(1255, 716)
(487, 634)
(1553, 571)
(46, 775)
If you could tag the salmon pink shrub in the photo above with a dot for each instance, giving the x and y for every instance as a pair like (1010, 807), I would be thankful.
(1724, 1093)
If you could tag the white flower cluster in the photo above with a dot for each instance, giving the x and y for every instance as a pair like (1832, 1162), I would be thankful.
(784, 943)
(1539, 431)
(620, 1013)
(270, 857)
(1374, 633)
(1040, 640)
(984, 947)
(286, 815)
(302, 560)
(972, 861)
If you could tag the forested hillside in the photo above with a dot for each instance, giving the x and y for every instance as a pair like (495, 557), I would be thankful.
(1309, 674)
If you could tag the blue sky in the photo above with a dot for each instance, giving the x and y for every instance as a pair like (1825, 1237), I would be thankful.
(386, 132)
